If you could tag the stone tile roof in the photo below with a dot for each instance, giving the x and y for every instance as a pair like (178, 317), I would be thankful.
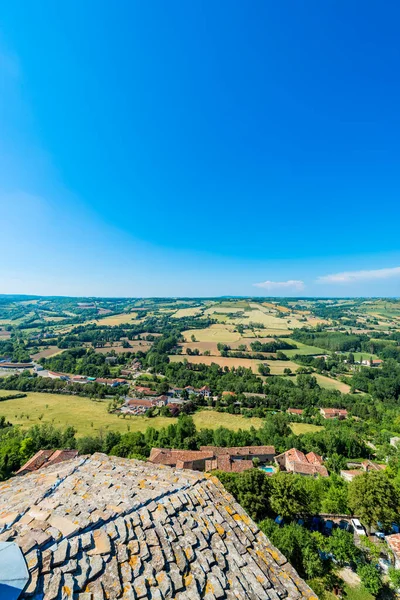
(104, 527)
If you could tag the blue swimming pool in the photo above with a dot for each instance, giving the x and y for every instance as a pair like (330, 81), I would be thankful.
(268, 469)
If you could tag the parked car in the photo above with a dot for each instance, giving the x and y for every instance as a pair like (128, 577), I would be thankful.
(395, 528)
(380, 535)
(279, 520)
(345, 525)
(358, 528)
(328, 527)
(300, 522)
(315, 523)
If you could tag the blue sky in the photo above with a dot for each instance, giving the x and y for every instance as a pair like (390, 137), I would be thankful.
(200, 148)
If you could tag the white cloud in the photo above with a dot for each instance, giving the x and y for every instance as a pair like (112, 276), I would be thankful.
(356, 276)
(279, 285)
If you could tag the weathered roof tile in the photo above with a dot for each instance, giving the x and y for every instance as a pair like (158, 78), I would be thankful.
(104, 527)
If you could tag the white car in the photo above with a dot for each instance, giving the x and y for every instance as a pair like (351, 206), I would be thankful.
(358, 528)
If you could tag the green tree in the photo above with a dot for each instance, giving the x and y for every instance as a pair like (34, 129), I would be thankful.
(264, 369)
(342, 546)
(370, 579)
(336, 499)
(373, 497)
(288, 497)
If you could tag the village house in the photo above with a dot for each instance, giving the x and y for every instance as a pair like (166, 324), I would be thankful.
(46, 458)
(204, 391)
(10, 365)
(141, 389)
(181, 459)
(372, 363)
(110, 382)
(55, 375)
(393, 541)
(295, 411)
(334, 413)
(237, 459)
(208, 458)
(295, 461)
(365, 467)
(111, 360)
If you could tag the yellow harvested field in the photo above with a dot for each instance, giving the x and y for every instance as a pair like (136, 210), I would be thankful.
(281, 324)
(214, 333)
(90, 417)
(277, 366)
(187, 312)
(283, 309)
(223, 309)
(332, 384)
(201, 347)
(212, 346)
(135, 346)
(212, 419)
(117, 319)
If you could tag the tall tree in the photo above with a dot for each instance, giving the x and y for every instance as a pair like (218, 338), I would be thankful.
(373, 497)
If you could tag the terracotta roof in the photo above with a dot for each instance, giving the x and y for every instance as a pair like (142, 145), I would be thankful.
(140, 402)
(334, 412)
(371, 466)
(144, 390)
(167, 456)
(239, 450)
(352, 472)
(105, 527)
(45, 458)
(36, 461)
(295, 455)
(314, 458)
(295, 411)
(394, 542)
(304, 468)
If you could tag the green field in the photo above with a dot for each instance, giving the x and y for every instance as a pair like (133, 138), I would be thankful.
(299, 428)
(303, 349)
(90, 417)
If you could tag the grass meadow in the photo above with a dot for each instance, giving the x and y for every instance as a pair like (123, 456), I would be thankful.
(90, 417)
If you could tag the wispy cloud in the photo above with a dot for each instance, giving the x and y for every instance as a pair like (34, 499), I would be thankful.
(356, 276)
(293, 284)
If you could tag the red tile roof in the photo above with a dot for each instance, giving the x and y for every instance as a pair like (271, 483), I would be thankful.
(314, 459)
(330, 413)
(140, 402)
(166, 456)
(239, 450)
(36, 461)
(45, 458)
(144, 390)
(295, 411)
(394, 542)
